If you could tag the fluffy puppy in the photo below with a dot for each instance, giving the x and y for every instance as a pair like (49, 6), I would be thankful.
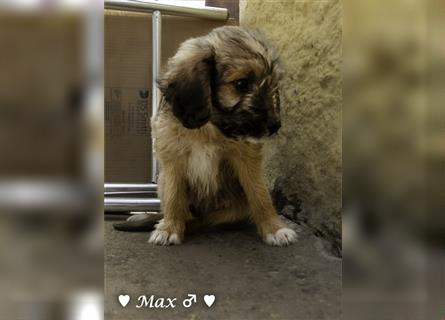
(220, 97)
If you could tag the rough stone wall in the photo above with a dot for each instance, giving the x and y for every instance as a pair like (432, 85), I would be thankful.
(303, 163)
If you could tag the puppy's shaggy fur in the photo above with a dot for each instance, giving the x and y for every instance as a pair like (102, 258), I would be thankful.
(220, 97)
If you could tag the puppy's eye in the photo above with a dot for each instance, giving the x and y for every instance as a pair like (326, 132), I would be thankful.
(242, 85)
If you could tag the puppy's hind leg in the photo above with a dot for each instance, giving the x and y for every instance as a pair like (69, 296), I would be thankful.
(236, 213)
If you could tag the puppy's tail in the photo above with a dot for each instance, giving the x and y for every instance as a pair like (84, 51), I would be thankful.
(139, 222)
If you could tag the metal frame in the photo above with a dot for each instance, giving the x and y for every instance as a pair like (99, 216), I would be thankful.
(131, 204)
(127, 197)
(212, 13)
(156, 65)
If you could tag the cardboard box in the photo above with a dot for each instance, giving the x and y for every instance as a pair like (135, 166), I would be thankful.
(128, 87)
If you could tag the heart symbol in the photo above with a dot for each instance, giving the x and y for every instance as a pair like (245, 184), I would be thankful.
(209, 299)
(124, 299)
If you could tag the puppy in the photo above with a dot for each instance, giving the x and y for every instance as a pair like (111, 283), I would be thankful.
(219, 99)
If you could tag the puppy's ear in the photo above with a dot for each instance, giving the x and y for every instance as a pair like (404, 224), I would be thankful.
(186, 83)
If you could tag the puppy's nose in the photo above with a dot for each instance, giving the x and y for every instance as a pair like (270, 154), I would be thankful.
(273, 127)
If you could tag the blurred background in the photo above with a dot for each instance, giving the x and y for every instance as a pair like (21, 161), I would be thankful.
(393, 160)
(51, 159)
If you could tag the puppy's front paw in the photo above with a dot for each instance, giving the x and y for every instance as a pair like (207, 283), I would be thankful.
(164, 238)
(282, 237)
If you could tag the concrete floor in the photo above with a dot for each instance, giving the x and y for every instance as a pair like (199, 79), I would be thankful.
(249, 279)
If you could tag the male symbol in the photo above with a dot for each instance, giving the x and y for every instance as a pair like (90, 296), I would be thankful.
(187, 303)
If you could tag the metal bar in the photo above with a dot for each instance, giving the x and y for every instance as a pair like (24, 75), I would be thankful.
(131, 204)
(133, 194)
(118, 187)
(155, 66)
(169, 9)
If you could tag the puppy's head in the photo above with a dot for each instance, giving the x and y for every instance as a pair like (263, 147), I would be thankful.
(229, 78)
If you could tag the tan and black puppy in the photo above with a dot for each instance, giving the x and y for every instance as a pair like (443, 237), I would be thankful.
(220, 97)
